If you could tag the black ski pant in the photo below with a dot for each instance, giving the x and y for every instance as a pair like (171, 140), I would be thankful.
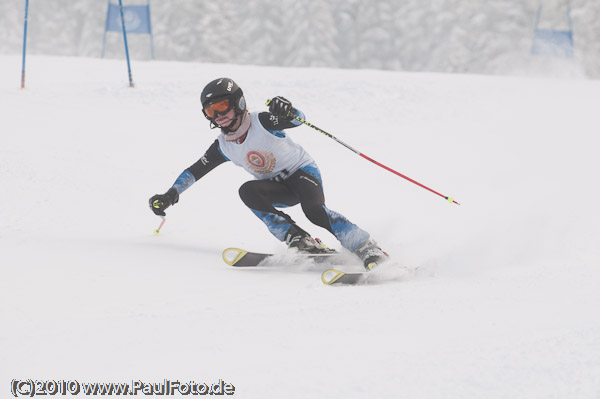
(263, 197)
(300, 188)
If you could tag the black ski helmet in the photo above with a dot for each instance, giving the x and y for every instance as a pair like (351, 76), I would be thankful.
(220, 89)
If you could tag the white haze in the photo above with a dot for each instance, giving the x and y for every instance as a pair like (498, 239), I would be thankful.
(490, 37)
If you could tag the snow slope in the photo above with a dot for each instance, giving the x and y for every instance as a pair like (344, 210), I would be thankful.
(494, 298)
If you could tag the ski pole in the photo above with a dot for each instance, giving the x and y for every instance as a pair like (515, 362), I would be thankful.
(449, 199)
(157, 231)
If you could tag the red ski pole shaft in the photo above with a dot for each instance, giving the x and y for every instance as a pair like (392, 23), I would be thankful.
(157, 231)
(449, 199)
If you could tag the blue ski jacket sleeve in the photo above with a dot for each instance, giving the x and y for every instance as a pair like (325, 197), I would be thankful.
(273, 123)
(212, 158)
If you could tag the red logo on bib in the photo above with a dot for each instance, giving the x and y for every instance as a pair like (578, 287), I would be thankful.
(260, 162)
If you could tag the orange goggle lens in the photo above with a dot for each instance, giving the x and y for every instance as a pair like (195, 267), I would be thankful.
(220, 106)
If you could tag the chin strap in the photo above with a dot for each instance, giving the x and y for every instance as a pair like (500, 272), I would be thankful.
(214, 125)
(240, 131)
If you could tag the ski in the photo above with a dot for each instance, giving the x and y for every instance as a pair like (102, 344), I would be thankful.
(334, 276)
(237, 257)
(241, 258)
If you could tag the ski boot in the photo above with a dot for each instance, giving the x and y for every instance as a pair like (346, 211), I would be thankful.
(301, 241)
(371, 254)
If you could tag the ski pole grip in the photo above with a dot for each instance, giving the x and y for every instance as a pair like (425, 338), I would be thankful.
(268, 102)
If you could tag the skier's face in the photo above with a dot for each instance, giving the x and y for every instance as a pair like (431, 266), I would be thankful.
(225, 119)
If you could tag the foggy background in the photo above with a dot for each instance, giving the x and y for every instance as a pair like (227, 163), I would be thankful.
(465, 36)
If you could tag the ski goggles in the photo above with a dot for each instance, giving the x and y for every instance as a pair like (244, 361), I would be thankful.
(219, 106)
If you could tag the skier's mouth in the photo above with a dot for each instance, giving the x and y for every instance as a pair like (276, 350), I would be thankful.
(223, 121)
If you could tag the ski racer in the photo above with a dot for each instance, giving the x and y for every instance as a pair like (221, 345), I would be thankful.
(284, 173)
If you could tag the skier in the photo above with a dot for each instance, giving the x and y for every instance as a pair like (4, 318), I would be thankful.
(285, 174)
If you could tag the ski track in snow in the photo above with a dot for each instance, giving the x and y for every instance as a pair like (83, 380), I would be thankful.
(495, 298)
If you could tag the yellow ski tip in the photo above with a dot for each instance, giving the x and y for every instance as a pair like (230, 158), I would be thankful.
(372, 266)
(330, 276)
(232, 255)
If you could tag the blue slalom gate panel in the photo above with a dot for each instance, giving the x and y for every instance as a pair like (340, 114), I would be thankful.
(137, 20)
(553, 42)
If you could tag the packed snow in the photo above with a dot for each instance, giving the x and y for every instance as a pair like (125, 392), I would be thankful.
(494, 298)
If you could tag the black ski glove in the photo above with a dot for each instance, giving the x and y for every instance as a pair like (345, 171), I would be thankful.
(160, 202)
(282, 108)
